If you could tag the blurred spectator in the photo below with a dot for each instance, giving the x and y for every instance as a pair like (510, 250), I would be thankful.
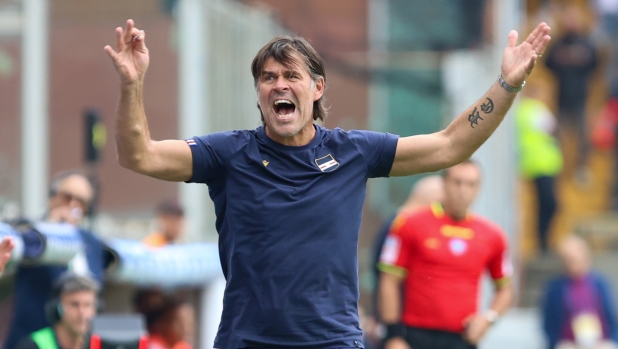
(440, 252)
(170, 319)
(170, 224)
(573, 59)
(427, 190)
(578, 307)
(540, 158)
(606, 33)
(70, 195)
(607, 19)
(70, 309)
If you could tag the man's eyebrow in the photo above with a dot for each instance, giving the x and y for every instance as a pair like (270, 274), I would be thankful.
(267, 72)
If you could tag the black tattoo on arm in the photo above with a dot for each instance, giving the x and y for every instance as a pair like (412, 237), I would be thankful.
(475, 116)
(487, 107)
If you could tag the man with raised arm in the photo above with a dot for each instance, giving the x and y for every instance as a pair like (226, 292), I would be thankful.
(289, 194)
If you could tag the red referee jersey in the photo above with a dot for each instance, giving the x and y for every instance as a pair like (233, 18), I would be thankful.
(442, 261)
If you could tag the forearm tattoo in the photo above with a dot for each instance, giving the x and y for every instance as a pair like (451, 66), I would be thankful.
(475, 116)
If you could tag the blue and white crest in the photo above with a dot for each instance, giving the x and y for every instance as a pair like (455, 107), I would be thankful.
(327, 163)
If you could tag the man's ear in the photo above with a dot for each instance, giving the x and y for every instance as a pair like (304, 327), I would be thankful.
(318, 88)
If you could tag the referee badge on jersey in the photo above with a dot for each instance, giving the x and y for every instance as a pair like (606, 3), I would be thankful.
(327, 163)
(458, 246)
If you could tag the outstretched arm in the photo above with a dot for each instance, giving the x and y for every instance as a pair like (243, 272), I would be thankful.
(170, 159)
(6, 246)
(426, 153)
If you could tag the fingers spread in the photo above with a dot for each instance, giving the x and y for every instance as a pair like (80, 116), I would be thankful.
(119, 41)
(128, 32)
(533, 34)
(541, 45)
(111, 53)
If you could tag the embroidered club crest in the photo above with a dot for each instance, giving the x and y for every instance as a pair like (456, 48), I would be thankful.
(327, 163)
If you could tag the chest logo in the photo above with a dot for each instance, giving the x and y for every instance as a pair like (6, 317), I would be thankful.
(265, 163)
(451, 231)
(327, 163)
(458, 246)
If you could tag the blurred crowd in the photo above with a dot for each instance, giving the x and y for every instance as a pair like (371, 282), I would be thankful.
(53, 305)
(560, 125)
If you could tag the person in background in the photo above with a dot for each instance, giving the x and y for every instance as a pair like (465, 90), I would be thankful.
(573, 59)
(169, 318)
(170, 224)
(70, 309)
(540, 157)
(425, 191)
(70, 196)
(578, 307)
(439, 254)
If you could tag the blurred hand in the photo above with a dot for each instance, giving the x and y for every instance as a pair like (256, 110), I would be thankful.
(518, 61)
(131, 55)
(396, 343)
(475, 327)
(6, 246)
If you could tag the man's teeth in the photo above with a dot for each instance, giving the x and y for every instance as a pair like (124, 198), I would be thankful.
(283, 101)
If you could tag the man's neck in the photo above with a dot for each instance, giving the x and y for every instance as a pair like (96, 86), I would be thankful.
(66, 339)
(457, 215)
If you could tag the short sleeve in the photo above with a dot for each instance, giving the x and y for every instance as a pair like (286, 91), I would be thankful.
(210, 153)
(378, 149)
(394, 258)
(500, 265)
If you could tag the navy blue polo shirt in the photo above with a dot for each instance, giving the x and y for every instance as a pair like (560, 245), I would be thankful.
(288, 220)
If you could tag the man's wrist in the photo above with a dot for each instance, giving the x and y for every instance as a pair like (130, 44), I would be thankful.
(397, 330)
(508, 87)
(491, 316)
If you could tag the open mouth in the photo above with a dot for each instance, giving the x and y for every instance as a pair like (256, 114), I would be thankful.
(284, 107)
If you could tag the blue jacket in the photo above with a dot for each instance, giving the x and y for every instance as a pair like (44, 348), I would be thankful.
(554, 310)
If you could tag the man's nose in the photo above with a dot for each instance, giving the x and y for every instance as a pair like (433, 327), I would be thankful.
(281, 84)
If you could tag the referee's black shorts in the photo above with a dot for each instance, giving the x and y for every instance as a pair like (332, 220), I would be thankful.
(420, 338)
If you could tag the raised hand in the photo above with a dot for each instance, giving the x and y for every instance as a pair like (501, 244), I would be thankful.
(6, 246)
(131, 55)
(518, 61)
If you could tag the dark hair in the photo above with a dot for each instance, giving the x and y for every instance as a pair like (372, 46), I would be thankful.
(71, 282)
(59, 177)
(170, 207)
(282, 49)
(156, 305)
(68, 282)
(465, 162)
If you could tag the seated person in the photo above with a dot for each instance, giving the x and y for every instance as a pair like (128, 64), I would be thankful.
(70, 310)
(578, 309)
